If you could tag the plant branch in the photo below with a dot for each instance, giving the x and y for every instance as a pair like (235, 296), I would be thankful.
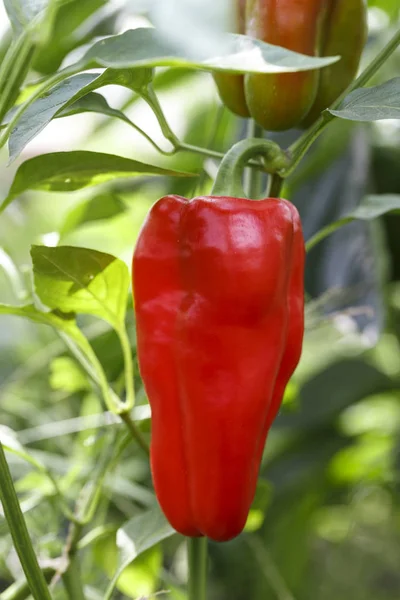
(197, 559)
(85, 509)
(269, 569)
(19, 533)
(16, 66)
(72, 580)
(135, 432)
(128, 367)
(275, 186)
(151, 98)
(20, 589)
(252, 177)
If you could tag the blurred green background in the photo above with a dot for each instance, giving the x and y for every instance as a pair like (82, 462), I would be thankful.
(326, 521)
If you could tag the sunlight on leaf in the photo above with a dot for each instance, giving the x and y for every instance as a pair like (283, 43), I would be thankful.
(80, 280)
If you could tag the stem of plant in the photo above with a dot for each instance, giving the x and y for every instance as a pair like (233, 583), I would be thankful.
(275, 186)
(72, 580)
(128, 367)
(20, 589)
(134, 431)
(85, 509)
(19, 533)
(15, 78)
(152, 100)
(197, 560)
(252, 177)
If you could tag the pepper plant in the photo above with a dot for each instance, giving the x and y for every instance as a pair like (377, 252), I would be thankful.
(217, 305)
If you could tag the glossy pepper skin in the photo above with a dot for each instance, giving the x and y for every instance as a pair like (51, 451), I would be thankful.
(231, 87)
(218, 289)
(344, 34)
(313, 27)
(280, 101)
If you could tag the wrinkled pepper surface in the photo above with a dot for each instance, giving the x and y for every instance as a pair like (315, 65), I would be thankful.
(218, 289)
(313, 27)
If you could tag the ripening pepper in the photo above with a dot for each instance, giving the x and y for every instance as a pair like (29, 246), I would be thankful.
(231, 87)
(218, 289)
(345, 33)
(279, 101)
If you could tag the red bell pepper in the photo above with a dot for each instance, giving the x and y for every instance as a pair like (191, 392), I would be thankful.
(218, 289)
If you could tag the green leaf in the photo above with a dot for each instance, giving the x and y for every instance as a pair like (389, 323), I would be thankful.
(375, 206)
(67, 93)
(140, 578)
(64, 323)
(23, 12)
(80, 280)
(93, 102)
(136, 536)
(147, 47)
(370, 208)
(372, 103)
(69, 171)
(98, 208)
(66, 32)
(43, 110)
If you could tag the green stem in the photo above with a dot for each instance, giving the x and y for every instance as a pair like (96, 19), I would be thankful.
(325, 232)
(198, 150)
(135, 432)
(85, 509)
(269, 569)
(128, 364)
(149, 139)
(20, 589)
(13, 274)
(197, 559)
(151, 98)
(96, 534)
(23, 53)
(84, 353)
(19, 533)
(252, 177)
(72, 580)
(9, 58)
(149, 95)
(184, 147)
(229, 178)
(44, 470)
(7, 64)
(300, 147)
(275, 186)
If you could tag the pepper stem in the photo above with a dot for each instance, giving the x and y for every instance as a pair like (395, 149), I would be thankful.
(229, 177)
(253, 177)
(197, 560)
